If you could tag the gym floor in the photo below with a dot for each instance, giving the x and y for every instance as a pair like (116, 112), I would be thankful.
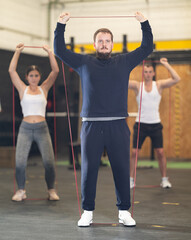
(159, 213)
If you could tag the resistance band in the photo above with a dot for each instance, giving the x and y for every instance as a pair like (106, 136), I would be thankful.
(71, 141)
(14, 171)
(124, 16)
(70, 131)
(148, 186)
(138, 139)
(33, 47)
(55, 137)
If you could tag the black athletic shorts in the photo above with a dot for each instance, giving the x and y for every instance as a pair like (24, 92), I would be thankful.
(154, 131)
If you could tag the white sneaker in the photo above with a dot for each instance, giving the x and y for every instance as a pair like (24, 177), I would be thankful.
(132, 184)
(165, 183)
(19, 196)
(86, 219)
(126, 219)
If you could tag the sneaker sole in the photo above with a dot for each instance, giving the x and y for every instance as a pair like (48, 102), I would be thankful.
(167, 187)
(51, 199)
(23, 198)
(121, 221)
(85, 225)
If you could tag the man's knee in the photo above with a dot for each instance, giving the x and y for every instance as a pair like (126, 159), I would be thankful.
(133, 153)
(159, 152)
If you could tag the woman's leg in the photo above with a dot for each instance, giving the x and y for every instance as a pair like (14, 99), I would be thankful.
(24, 141)
(43, 140)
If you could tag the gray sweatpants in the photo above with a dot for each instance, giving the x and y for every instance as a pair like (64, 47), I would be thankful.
(39, 133)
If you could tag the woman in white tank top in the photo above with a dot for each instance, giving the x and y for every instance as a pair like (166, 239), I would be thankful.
(33, 100)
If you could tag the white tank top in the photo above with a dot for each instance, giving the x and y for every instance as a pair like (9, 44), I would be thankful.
(150, 105)
(33, 104)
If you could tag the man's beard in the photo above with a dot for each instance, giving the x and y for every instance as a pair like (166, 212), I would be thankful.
(103, 56)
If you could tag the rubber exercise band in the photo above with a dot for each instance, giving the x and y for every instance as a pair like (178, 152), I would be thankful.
(71, 141)
(124, 16)
(13, 100)
(154, 61)
(55, 136)
(148, 186)
(35, 199)
(138, 139)
(32, 47)
(70, 131)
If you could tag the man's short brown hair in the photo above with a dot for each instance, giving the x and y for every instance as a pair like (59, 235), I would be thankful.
(103, 30)
(149, 64)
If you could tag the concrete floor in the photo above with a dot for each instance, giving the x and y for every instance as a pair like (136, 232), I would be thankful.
(159, 213)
